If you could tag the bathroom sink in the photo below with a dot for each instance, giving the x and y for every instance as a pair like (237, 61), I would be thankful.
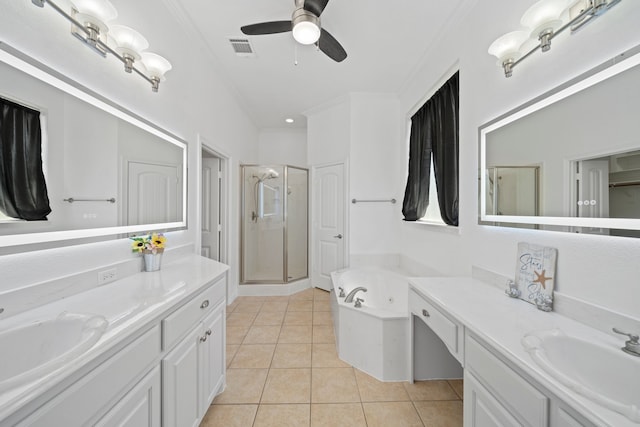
(34, 350)
(604, 374)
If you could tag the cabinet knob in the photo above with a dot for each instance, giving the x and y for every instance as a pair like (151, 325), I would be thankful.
(208, 332)
(425, 313)
(204, 304)
(203, 338)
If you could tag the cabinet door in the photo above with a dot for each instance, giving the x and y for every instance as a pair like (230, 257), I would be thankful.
(180, 383)
(481, 409)
(212, 354)
(140, 407)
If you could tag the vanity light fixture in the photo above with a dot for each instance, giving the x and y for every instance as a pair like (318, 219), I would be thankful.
(543, 22)
(89, 20)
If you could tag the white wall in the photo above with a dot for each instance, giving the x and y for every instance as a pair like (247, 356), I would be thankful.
(602, 270)
(195, 99)
(283, 146)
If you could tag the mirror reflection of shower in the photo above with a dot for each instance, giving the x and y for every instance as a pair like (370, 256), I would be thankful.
(274, 224)
(259, 193)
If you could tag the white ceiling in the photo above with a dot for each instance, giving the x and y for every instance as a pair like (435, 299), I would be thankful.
(385, 40)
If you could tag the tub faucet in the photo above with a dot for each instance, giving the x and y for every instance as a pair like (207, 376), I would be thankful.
(351, 294)
(632, 346)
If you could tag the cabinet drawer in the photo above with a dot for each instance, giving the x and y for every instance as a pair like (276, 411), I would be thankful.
(524, 401)
(448, 331)
(178, 323)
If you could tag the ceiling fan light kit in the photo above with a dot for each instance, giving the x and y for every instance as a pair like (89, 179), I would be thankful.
(544, 20)
(89, 19)
(306, 28)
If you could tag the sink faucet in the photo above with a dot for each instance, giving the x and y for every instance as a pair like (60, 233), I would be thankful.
(351, 294)
(632, 346)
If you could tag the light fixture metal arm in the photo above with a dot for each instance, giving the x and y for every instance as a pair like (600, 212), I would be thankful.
(595, 9)
(100, 43)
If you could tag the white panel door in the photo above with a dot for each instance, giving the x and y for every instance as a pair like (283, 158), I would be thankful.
(329, 223)
(210, 208)
(153, 193)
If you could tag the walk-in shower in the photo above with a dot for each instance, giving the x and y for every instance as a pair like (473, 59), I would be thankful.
(274, 224)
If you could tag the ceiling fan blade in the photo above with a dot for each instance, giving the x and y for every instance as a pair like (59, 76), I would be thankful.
(266, 28)
(315, 6)
(330, 46)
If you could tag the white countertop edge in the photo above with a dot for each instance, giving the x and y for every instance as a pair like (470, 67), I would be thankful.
(462, 310)
(198, 272)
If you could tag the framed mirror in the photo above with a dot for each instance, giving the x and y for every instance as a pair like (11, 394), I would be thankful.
(570, 159)
(108, 172)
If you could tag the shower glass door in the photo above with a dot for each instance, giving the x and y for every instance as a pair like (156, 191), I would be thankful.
(274, 224)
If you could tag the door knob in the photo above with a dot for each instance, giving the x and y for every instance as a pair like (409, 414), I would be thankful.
(338, 236)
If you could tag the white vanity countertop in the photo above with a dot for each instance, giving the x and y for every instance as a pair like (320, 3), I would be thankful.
(501, 321)
(128, 304)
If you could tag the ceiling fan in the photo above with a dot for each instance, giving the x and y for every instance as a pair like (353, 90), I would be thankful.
(305, 25)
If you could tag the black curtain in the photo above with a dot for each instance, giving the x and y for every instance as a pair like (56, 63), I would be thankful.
(434, 131)
(23, 191)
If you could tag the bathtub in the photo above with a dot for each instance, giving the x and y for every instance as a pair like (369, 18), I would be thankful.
(375, 337)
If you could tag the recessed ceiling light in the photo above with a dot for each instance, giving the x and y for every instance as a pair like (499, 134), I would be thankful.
(289, 120)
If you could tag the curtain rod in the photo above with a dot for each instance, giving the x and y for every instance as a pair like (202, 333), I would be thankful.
(71, 200)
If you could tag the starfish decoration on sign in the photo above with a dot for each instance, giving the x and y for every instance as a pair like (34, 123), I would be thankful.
(541, 278)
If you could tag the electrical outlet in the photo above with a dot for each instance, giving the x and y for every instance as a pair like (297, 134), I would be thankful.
(106, 276)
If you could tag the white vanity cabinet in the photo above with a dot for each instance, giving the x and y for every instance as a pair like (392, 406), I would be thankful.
(193, 370)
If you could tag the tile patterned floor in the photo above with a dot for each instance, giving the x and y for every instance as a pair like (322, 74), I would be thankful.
(283, 370)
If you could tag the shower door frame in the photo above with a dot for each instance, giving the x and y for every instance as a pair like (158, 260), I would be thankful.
(285, 218)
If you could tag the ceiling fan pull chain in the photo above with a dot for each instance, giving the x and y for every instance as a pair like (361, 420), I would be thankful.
(295, 54)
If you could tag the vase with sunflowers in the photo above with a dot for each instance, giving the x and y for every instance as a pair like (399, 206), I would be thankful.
(151, 247)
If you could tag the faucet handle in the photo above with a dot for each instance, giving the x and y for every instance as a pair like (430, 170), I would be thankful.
(341, 295)
(632, 337)
(358, 303)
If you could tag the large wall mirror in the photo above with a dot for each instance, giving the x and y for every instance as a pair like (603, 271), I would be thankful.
(570, 159)
(108, 172)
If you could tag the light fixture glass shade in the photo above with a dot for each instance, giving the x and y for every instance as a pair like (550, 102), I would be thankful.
(128, 41)
(155, 64)
(544, 15)
(96, 12)
(306, 32)
(507, 47)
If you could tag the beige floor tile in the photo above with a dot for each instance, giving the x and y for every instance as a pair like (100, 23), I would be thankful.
(320, 305)
(326, 356)
(236, 334)
(333, 385)
(323, 334)
(298, 318)
(277, 298)
(337, 415)
(249, 299)
(253, 356)
(306, 294)
(458, 387)
(269, 318)
(262, 335)
(287, 386)
(373, 390)
(275, 306)
(300, 305)
(320, 294)
(430, 390)
(292, 356)
(243, 386)
(295, 334)
(282, 416)
(396, 414)
(248, 307)
(229, 416)
(322, 318)
(240, 319)
(231, 351)
(440, 414)
(232, 306)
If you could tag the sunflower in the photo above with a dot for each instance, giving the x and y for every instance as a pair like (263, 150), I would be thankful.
(158, 241)
(137, 245)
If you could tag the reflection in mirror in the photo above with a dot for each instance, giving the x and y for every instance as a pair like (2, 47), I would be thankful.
(561, 161)
(107, 172)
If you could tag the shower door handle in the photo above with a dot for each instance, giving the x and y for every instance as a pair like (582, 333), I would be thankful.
(338, 236)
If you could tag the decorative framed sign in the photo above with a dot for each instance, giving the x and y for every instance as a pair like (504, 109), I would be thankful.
(535, 272)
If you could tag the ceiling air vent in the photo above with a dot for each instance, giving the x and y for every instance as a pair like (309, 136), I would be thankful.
(241, 46)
